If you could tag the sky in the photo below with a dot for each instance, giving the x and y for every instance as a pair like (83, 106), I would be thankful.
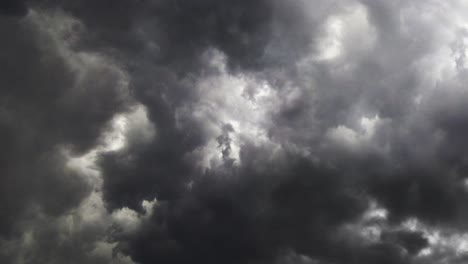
(233, 132)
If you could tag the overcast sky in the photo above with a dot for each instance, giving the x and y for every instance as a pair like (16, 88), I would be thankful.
(233, 132)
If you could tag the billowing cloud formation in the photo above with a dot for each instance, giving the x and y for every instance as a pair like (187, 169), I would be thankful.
(264, 131)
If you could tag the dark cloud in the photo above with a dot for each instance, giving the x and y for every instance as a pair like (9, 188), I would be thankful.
(54, 104)
(13, 8)
(248, 217)
(266, 129)
(413, 242)
(420, 194)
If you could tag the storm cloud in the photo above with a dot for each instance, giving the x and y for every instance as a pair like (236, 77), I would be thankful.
(260, 131)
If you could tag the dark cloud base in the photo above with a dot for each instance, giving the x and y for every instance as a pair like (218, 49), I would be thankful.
(289, 198)
(13, 8)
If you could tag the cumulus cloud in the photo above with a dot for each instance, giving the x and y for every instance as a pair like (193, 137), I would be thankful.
(264, 131)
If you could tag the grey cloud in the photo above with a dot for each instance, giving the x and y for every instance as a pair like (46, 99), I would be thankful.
(55, 103)
(413, 242)
(340, 103)
(247, 217)
(13, 8)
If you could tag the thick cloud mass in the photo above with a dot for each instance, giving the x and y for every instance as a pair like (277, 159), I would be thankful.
(14, 8)
(243, 132)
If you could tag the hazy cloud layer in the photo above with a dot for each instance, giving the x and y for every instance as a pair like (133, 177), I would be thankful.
(264, 131)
